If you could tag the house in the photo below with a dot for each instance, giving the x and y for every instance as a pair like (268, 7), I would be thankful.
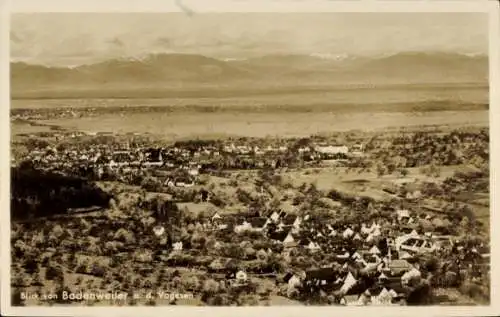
(439, 223)
(369, 238)
(217, 266)
(275, 216)
(414, 194)
(290, 220)
(381, 297)
(405, 255)
(293, 280)
(398, 267)
(371, 259)
(194, 171)
(222, 226)
(358, 147)
(412, 191)
(406, 229)
(216, 217)
(243, 226)
(158, 230)
(365, 230)
(375, 229)
(284, 237)
(323, 278)
(357, 237)
(303, 241)
(361, 262)
(415, 244)
(289, 241)
(177, 246)
(313, 246)
(403, 215)
(304, 149)
(332, 232)
(364, 299)
(349, 300)
(349, 283)
(332, 149)
(241, 276)
(297, 222)
(382, 277)
(184, 182)
(258, 223)
(393, 293)
(442, 241)
(410, 277)
(356, 255)
(375, 250)
(347, 233)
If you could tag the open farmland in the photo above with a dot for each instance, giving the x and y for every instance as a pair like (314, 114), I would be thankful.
(212, 125)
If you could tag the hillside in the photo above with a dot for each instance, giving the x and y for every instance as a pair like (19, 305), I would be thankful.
(182, 71)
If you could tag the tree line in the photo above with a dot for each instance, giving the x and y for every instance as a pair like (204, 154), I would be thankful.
(37, 193)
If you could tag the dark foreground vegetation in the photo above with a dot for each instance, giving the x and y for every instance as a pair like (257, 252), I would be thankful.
(36, 193)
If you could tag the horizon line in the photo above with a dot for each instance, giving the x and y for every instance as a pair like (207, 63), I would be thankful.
(326, 56)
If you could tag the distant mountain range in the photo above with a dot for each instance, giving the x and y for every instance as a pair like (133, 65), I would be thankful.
(176, 71)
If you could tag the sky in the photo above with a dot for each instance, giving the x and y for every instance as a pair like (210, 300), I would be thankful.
(80, 38)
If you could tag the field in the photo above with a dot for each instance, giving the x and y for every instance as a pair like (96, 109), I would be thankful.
(246, 95)
(26, 128)
(268, 111)
(185, 125)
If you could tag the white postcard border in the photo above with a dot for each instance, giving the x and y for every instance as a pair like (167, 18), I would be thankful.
(201, 6)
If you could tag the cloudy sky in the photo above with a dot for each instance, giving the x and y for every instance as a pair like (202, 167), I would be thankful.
(76, 38)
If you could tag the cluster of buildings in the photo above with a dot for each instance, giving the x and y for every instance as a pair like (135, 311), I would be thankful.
(121, 157)
(388, 251)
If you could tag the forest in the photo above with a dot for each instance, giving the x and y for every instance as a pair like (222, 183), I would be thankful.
(58, 194)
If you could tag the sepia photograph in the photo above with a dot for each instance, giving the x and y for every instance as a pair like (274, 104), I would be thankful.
(249, 159)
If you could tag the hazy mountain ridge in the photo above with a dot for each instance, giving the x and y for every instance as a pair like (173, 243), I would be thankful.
(170, 70)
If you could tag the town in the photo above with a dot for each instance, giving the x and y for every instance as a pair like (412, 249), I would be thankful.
(355, 218)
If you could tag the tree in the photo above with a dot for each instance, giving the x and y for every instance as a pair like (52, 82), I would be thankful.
(54, 273)
(404, 172)
(219, 300)
(250, 253)
(210, 289)
(381, 170)
(16, 299)
(421, 295)
(191, 283)
(467, 212)
(97, 269)
(262, 255)
(198, 241)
